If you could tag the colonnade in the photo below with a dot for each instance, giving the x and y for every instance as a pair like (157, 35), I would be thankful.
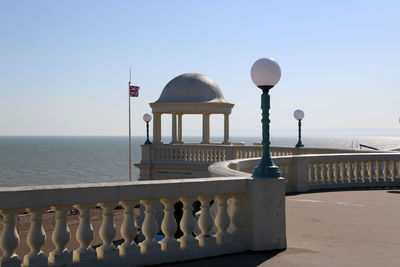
(177, 128)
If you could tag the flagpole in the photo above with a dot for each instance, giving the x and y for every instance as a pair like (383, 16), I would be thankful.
(130, 139)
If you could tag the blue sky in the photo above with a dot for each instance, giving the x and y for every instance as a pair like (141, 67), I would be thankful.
(64, 65)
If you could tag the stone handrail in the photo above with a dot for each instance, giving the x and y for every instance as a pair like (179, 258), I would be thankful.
(250, 227)
(314, 172)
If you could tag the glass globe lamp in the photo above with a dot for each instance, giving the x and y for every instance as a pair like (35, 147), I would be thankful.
(147, 118)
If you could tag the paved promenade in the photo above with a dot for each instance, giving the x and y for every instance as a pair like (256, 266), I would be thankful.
(348, 228)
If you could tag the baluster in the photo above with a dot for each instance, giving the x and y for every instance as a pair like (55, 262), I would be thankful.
(341, 172)
(377, 171)
(363, 171)
(168, 226)
(187, 224)
(187, 151)
(370, 171)
(205, 222)
(35, 239)
(107, 232)
(224, 155)
(9, 240)
(149, 227)
(322, 171)
(316, 172)
(238, 216)
(385, 171)
(203, 155)
(329, 173)
(335, 172)
(84, 235)
(197, 154)
(310, 178)
(61, 236)
(348, 171)
(206, 155)
(355, 172)
(161, 153)
(182, 154)
(191, 155)
(392, 171)
(398, 169)
(222, 220)
(129, 229)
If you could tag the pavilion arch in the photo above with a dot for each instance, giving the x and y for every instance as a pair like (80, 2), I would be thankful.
(190, 93)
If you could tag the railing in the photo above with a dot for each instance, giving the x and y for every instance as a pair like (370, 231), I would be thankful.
(198, 153)
(312, 172)
(240, 227)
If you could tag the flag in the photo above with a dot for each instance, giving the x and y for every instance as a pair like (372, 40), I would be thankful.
(133, 91)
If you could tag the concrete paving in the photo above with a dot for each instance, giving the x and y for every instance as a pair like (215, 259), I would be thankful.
(342, 228)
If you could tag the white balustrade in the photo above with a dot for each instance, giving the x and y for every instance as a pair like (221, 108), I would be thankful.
(206, 222)
(238, 217)
(9, 240)
(61, 236)
(107, 232)
(129, 229)
(187, 224)
(129, 195)
(149, 228)
(222, 219)
(84, 235)
(169, 226)
(35, 239)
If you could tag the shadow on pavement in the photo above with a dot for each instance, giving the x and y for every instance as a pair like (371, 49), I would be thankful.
(393, 191)
(239, 259)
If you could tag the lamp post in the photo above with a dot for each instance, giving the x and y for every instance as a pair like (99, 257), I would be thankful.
(147, 119)
(299, 115)
(265, 74)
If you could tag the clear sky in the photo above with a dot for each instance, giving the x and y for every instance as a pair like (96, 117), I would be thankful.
(64, 65)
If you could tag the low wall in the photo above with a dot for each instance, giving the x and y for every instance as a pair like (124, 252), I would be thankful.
(166, 161)
(255, 220)
(314, 172)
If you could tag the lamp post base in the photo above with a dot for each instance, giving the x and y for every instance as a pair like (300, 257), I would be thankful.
(148, 142)
(298, 145)
(266, 172)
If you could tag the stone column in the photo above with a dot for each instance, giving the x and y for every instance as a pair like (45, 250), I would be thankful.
(226, 129)
(206, 128)
(173, 138)
(180, 128)
(157, 128)
(266, 229)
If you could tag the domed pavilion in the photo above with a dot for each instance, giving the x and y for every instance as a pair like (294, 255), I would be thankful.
(190, 93)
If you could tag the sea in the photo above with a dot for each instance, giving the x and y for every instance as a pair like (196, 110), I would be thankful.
(35, 160)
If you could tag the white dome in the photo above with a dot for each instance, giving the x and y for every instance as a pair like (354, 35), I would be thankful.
(191, 87)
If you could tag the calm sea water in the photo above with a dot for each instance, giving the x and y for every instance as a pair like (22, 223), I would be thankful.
(69, 160)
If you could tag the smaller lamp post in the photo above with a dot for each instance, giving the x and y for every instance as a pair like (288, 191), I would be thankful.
(299, 115)
(147, 119)
(265, 74)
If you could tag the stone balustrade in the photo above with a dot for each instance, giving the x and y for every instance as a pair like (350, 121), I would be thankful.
(164, 161)
(255, 221)
(312, 172)
(213, 153)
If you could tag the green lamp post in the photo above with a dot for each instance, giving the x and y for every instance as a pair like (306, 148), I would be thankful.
(265, 74)
(147, 119)
(299, 115)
